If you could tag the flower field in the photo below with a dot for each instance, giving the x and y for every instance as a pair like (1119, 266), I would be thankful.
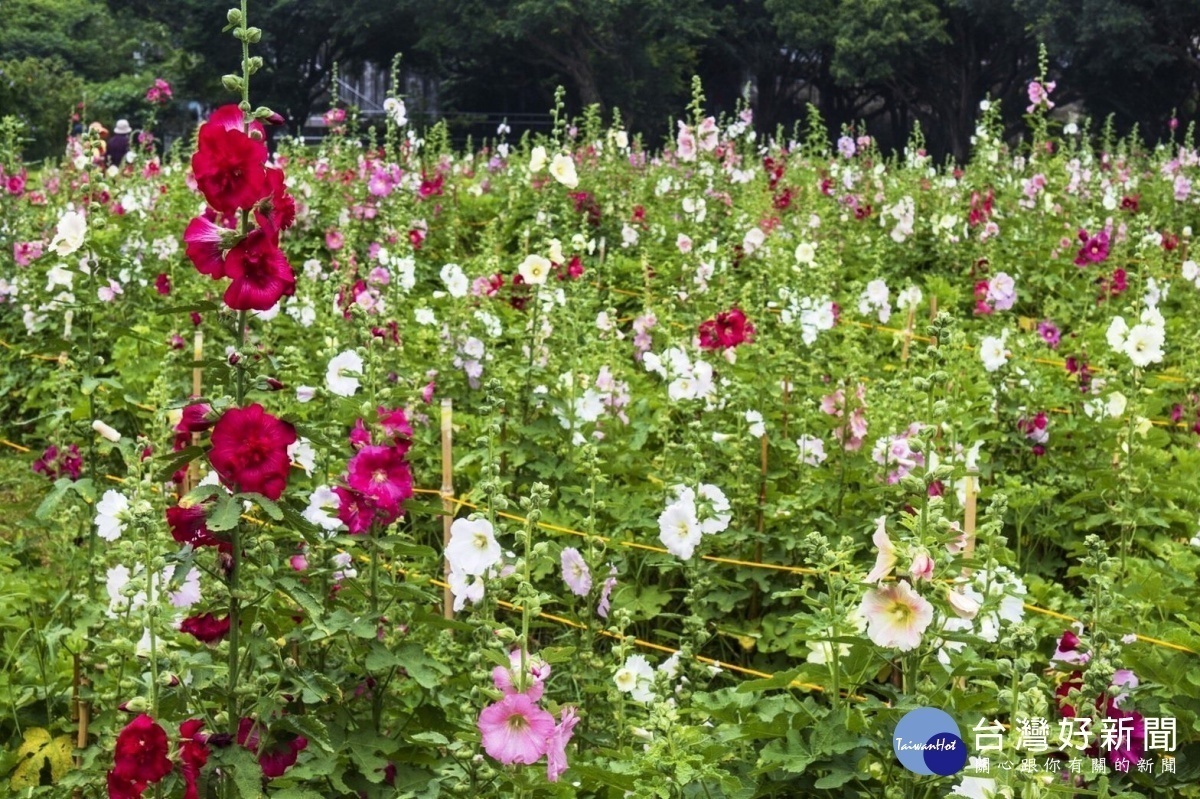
(562, 466)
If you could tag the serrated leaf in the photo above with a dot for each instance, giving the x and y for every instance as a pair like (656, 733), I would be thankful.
(780, 679)
(224, 514)
(422, 668)
(271, 508)
(169, 464)
(557, 654)
(52, 499)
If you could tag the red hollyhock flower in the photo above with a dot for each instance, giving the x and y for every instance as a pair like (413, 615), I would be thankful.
(162, 284)
(203, 240)
(260, 271)
(281, 206)
(275, 758)
(141, 752)
(124, 789)
(193, 754)
(188, 527)
(206, 629)
(729, 329)
(249, 450)
(229, 166)
(381, 475)
(195, 418)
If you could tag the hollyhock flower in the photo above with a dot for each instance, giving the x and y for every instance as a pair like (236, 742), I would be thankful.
(562, 168)
(896, 616)
(885, 558)
(1002, 291)
(123, 789)
(575, 572)
(162, 284)
(193, 754)
(1039, 96)
(260, 271)
(111, 505)
(141, 752)
(993, 353)
(537, 672)
(556, 745)
(636, 678)
(535, 269)
(537, 159)
(1094, 249)
(1144, 344)
(812, 450)
(395, 423)
(396, 111)
(195, 418)
(685, 143)
(679, 529)
(515, 730)
(342, 373)
(206, 629)
(55, 463)
(354, 510)
(249, 450)
(320, 503)
(205, 241)
(359, 435)
(188, 528)
(26, 252)
(277, 757)
(922, 566)
(72, 228)
(228, 165)
(189, 590)
(1049, 333)
(473, 548)
(604, 605)
(728, 329)
(465, 588)
(382, 476)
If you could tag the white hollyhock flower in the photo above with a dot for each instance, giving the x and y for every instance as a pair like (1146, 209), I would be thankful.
(812, 450)
(1117, 331)
(396, 111)
(757, 428)
(301, 452)
(465, 588)
(341, 376)
(719, 504)
(535, 269)
(59, 275)
(753, 239)
(106, 431)
(111, 505)
(473, 548)
(318, 513)
(1144, 344)
(188, 593)
(993, 353)
(456, 280)
(563, 170)
(806, 253)
(636, 678)
(679, 529)
(305, 393)
(72, 228)
(537, 159)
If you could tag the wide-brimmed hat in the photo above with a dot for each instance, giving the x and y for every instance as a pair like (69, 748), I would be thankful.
(122, 126)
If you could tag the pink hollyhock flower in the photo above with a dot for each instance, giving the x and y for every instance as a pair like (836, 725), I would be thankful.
(1039, 96)
(575, 572)
(359, 435)
(897, 616)
(381, 475)
(334, 240)
(536, 669)
(395, 424)
(885, 558)
(606, 590)
(685, 143)
(556, 746)
(515, 730)
(922, 567)
(204, 241)
(26, 252)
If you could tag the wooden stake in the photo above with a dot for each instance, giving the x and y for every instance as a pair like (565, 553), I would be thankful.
(447, 499)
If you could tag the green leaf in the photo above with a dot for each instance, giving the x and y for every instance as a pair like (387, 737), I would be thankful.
(270, 506)
(224, 515)
(52, 499)
(168, 465)
(422, 668)
(780, 679)
(557, 654)
(380, 658)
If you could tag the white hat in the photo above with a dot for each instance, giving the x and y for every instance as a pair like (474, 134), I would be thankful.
(122, 126)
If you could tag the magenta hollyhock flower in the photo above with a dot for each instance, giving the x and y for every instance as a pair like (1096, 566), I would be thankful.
(728, 329)
(515, 730)
(354, 510)
(207, 628)
(26, 252)
(381, 475)
(359, 435)
(203, 239)
(260, 271)
(1094, 249)
(394, 423)
(575, 572)
(556, 746)
(162, 284)
(1049, 333)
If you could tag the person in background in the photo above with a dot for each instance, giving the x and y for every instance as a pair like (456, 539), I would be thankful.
(118, 143)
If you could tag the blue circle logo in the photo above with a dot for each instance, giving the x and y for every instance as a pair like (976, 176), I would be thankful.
(927, 741)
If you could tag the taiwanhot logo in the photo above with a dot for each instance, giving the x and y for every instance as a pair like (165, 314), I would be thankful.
(927, 741)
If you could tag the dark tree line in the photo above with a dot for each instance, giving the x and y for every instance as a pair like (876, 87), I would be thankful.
(885, 63)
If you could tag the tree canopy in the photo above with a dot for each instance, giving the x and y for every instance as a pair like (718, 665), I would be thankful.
(886, 64)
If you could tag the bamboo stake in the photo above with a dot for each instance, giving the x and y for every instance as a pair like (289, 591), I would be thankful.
(908, 331)
(969, 519)
(447, 499)
(193, 473)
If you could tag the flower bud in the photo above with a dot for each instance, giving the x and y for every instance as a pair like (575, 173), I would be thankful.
(234, 16)
(105, 431)
(253, 35)
(232, 83)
